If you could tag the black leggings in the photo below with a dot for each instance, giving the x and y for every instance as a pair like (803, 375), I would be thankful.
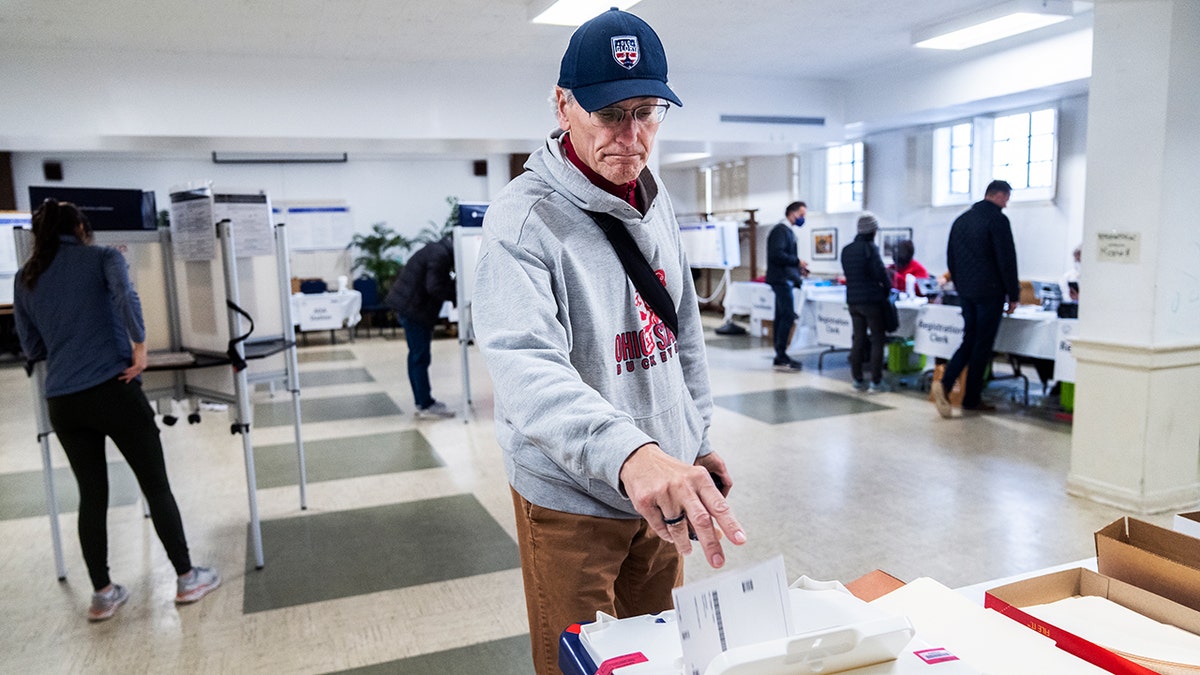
(119, 411)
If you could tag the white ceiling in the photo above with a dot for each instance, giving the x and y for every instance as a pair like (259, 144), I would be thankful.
(809, 39)
(804, 40)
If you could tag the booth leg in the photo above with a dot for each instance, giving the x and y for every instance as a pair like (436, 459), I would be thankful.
(52, 508)
(300, 451)
(252, 491)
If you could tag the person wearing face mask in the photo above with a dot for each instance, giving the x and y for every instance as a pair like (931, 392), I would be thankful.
(785, 272)
(602, 397)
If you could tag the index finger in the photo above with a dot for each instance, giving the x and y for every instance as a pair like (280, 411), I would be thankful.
(715, 509)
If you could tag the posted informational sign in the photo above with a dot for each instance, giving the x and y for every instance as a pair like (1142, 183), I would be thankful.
(1064, 360)
(1119, 247)
(711, 244)
(317, 225)
(249, 216)
(833, 324)
(939, 331)
(8, 244)
(193, 233)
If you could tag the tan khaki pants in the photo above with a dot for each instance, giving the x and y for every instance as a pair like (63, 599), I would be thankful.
(576, 565)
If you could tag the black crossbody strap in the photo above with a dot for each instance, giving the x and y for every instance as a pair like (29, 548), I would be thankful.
(644, 279)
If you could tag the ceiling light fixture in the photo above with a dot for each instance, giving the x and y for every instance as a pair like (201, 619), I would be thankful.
(576, 12)
(993, 23)
(279, 157)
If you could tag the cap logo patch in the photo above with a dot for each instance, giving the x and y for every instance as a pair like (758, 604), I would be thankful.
(625, 50)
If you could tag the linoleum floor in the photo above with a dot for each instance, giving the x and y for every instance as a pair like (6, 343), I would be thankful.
(408, 564)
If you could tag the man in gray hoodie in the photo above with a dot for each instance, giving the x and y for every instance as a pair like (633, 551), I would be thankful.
(602, 410)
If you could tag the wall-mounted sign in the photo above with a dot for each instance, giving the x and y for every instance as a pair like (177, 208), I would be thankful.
(1119, 247)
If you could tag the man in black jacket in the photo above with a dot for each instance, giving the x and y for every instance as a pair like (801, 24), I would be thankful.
(983, 266)
(785, 271)
(417, 296)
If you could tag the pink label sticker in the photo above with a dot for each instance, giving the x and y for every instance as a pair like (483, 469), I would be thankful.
(935, 655)
(615, 662)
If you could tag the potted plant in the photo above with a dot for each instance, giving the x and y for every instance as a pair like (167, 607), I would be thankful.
(435, 232)
(379, 254)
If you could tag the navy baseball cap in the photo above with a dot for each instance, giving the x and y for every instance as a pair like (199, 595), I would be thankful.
(613, 57)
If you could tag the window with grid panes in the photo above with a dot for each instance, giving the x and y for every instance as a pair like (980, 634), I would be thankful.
(844, 178)
(1023, 152)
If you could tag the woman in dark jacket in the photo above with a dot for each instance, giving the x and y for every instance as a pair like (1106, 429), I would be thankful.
(868, 288)
(75, 308)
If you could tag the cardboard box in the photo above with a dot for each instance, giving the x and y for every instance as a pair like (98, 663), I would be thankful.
(1159, 560)
(873, 585)
(1188, 523)
(1011, 598)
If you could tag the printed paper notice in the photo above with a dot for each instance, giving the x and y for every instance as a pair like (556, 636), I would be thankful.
(733, 609)
(1120, 247)
(192, 234)
(250, 222)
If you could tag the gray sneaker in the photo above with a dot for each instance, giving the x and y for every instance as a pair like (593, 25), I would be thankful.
(104, 605)
(879, 388)
(196, 584)
(860, 385)
(436, 410)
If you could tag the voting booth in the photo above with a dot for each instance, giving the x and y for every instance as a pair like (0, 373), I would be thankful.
(215, 295)
(468, 237)
(712, 244)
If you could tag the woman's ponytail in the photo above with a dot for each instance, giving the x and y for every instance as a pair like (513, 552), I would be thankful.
(51, 220)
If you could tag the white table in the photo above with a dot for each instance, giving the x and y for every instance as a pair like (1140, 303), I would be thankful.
(327, 311)
(757, 301)
(1029, 331)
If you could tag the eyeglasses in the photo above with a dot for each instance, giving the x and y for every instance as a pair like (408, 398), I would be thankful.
(646, 115)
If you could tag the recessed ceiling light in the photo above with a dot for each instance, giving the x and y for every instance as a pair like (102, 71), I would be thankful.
(993, 23)
(576, 12)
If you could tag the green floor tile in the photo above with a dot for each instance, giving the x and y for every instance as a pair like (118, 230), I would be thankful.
(336, 458)
(279, 412)
(325, 378)
(304, 356)
(780, 406)
(510, 656)
(324, 556)
(23, 495)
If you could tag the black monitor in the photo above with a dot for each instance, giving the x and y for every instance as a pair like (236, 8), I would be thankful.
(471, 214)
(105, 208)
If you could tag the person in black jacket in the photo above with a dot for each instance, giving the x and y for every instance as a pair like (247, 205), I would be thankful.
(982, 259)
(868, 290)
(785, 271)
(417, 296)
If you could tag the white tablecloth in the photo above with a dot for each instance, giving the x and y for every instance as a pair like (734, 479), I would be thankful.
(834, 327)
(326, 311)
(1030, 331)
(757, 301)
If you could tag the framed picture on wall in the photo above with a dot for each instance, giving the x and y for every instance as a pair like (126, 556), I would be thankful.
(824, 244)
(888, 238)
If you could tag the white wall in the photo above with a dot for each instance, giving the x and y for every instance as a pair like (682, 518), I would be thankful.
(898, 191)
(407, 194)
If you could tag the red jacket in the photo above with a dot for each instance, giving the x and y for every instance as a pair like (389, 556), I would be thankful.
(914, 268)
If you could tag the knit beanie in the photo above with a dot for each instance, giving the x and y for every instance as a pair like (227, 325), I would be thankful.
(867, 223)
